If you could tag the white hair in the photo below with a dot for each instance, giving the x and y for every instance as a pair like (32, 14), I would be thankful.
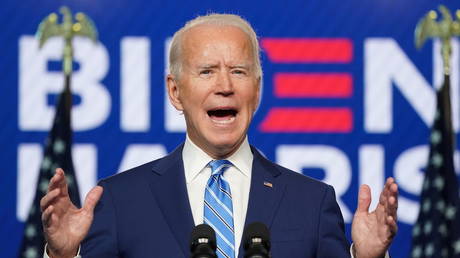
(175, 55)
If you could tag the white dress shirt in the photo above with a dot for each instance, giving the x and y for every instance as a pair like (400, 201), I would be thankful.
(197, 174)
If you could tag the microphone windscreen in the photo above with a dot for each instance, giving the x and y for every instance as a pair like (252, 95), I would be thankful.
(203, 231)
(256, 230)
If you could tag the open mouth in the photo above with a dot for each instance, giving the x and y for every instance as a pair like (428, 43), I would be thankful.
(224, 115)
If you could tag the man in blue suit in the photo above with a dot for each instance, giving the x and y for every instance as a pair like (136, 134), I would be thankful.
(150, 210)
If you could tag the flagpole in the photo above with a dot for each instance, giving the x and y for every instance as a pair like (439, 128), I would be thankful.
(436, 232)
(58, 147)
(446, 102)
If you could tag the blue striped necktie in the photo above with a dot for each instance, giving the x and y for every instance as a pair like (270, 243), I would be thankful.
(218, 209)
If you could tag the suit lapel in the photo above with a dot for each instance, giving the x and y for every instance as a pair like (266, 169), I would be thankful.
(265, 194)
(170, 191)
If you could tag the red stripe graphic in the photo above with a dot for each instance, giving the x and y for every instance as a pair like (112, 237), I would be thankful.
(308, 120)
(302, 50)
(313, 85)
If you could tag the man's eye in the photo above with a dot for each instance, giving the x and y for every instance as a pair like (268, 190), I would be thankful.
(205, 72)
(239, 72)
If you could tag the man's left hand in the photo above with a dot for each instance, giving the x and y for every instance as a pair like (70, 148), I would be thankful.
(372, 232)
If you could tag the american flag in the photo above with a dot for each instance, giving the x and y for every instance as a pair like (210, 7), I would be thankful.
(57, 154)
(437, 230)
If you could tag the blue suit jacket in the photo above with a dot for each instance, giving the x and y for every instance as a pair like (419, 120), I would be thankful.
(145, 212)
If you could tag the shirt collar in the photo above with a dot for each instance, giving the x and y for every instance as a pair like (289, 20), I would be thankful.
(195, 159)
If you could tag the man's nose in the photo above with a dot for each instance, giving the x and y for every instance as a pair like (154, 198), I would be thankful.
(224, 84)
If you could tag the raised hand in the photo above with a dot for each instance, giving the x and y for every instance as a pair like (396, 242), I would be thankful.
(373, 232)
(65, 225)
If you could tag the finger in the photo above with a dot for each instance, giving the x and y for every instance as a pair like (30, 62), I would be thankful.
(393, 189)
(393, 226)
(364, 199)
(390, 180)
(46, 216)
(388, 186)
(49, 198)
(393, 200)
(62, 182)
(92, 198)
(390, 190)
(391, 222)
(392, 204)
(385, 191)
(58, 181)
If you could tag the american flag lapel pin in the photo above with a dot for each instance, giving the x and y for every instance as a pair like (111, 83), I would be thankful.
(268, 184)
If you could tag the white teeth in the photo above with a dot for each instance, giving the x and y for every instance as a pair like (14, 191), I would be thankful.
(228, 121)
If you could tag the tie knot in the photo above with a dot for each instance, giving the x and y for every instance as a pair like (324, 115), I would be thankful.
(219, 166)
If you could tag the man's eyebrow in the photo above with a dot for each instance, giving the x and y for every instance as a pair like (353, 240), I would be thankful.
(244, 66)
(207, 66)
(212, 66)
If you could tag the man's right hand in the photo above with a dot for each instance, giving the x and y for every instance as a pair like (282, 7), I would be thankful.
(65, 225)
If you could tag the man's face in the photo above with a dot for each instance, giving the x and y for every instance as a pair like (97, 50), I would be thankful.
(218, 89)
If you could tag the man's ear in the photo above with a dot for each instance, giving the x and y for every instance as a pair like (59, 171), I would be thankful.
(258, 93)
(174, 92)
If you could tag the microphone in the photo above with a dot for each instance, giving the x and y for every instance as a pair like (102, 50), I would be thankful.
(203, 242)
(256, 239)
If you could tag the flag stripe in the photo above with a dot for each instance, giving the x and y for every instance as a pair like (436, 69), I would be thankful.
(313, 85)
(301, 120)
(308, 50)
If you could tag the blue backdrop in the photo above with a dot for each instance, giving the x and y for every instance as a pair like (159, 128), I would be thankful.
(347, 98)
